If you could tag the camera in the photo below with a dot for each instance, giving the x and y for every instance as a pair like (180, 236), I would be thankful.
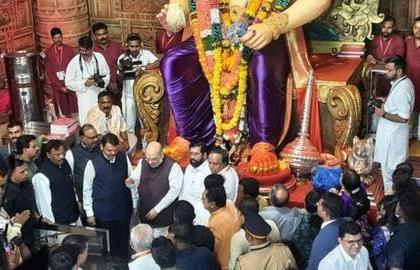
(128, 65)
(99, 80)
(374, 103)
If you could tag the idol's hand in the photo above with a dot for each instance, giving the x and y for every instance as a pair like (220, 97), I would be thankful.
(258, 36)
(161, 17)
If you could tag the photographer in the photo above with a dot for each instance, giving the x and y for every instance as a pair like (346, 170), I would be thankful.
(130, 65)
(87, 74)
(392, 135)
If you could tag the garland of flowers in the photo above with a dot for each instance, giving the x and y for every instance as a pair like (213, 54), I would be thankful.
(225, 64)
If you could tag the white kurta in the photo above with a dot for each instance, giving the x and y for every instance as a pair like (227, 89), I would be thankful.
(231, 182)
(192, 191)
(392, 138)
(75, 80)
(127, 100)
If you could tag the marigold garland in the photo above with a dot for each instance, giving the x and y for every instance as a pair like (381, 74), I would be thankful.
(225, 66)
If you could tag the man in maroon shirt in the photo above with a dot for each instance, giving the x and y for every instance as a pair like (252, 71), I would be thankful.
(383, 47)
(57, 58)
(412, 44)
(111, 50)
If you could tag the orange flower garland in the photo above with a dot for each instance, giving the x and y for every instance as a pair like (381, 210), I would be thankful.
(223, 66)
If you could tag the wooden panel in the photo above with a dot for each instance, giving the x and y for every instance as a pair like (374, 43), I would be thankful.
(16, 28)
(126, 16)
(403, 11)
(70, 16)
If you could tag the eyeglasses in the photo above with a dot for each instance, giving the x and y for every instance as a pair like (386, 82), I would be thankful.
(354, 242)
(91, 138)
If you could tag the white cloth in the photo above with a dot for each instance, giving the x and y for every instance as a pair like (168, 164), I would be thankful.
(88, 177)
(340, 260)
(43, 195)
(114, 123)
(127, 100)
(76, 78)
(175, 184)
(192, 190)
(145, 262)
(391, 147)
(231, 182)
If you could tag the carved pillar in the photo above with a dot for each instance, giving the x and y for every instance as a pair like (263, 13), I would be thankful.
(71, 16)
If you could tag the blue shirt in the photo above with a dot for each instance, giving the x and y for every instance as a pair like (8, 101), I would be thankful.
(195, 258)
(403, 248)
(287, 220)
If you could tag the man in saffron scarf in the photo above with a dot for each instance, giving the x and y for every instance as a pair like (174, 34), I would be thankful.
(57, 58)
(189, 91)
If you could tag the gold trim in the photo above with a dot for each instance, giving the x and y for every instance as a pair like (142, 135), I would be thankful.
(148, 92)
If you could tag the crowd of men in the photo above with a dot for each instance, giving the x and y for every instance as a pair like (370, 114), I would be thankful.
(202, 217)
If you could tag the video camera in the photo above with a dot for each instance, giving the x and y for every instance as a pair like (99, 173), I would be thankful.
(128, 65)
(374, 103)
(99, 80)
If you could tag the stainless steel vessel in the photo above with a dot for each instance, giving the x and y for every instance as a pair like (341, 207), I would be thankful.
(24, 86)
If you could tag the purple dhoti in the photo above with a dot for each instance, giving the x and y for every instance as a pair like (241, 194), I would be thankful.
(189, 92)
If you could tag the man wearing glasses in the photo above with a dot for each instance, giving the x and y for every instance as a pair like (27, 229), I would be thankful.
(80, 154)
(87, 74)
(350, 253)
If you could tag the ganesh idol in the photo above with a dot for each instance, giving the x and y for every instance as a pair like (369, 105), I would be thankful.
(225, 68)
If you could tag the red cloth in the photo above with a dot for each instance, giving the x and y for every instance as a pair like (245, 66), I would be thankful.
(57, 61)
(111, 53)
(164, 42)
(4, 101)
(382, 50)
(413, 68)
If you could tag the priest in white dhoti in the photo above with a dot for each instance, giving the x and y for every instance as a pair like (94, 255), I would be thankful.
(393, 131)
(135, 59)
(106, 118)
(87, 74)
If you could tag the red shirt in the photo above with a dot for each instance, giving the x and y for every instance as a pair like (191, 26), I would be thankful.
(56, 61)
(413, 68)
(383, 49)
(111, 53)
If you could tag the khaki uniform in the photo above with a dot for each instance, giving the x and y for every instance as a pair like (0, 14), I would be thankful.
(267, 256)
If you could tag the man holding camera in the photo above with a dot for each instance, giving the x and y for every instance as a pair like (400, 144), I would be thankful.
(393, 131)
(87, 74)
(130, 64)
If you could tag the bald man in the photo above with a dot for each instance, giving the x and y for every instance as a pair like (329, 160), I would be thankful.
(155, 185)
(287, 219)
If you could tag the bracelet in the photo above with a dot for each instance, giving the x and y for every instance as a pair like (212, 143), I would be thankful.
(277, 23)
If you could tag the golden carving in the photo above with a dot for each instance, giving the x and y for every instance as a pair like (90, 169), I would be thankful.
(324, 89)
(345, 105)
(148, 92)
(354, 19)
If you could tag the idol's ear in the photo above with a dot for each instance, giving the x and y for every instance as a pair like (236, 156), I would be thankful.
(355, 140)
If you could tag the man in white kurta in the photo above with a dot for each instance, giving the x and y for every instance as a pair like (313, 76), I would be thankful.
(392, 135)
(193, 186)
(142, 59)
(79, 76)
(219, 164)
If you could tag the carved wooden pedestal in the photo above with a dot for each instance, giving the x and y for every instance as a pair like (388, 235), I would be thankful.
(339, 98)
